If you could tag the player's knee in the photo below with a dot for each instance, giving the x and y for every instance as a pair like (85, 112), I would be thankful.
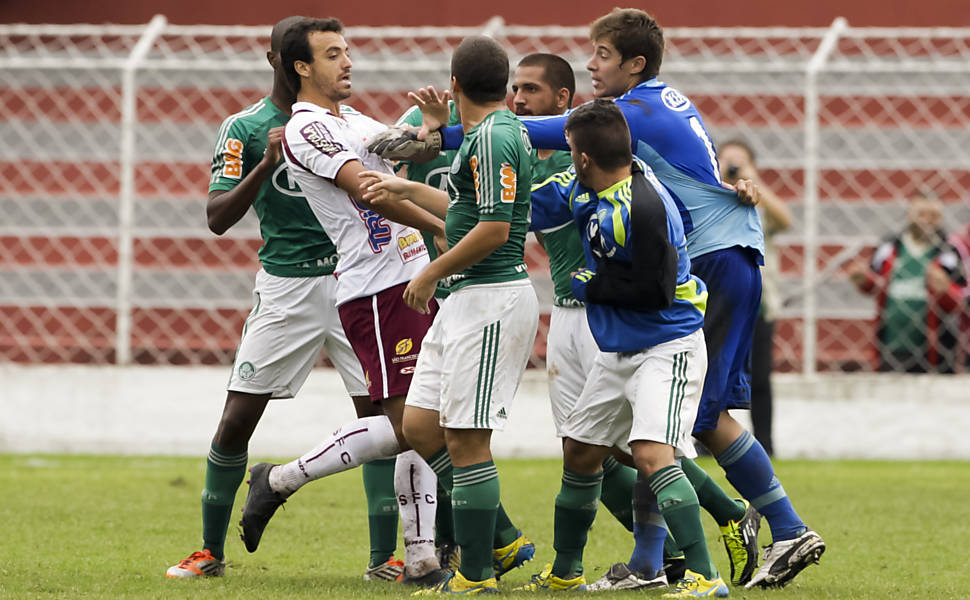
(583, 458)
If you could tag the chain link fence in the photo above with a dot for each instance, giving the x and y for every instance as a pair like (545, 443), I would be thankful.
(105, 256)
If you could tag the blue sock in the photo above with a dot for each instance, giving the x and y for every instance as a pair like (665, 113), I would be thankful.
(649, 531)
(748, 468)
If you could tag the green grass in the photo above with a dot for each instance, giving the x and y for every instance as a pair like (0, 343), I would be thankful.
(108, 527)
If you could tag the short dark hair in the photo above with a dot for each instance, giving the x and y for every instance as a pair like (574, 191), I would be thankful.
(633, 33)
(481, 68)
(740, 144)
(556, 71)
(296, 45)
(599, 129)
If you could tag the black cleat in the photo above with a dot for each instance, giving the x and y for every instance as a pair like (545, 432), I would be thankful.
(786, 559)
(261, 503)
(429, 579)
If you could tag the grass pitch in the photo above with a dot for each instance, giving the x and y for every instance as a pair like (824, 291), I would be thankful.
(108, 527)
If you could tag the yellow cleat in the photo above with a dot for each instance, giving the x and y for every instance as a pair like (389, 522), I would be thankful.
(457, 584)
(547, 581)
(694, 585)
(741, 542)
(512, 556)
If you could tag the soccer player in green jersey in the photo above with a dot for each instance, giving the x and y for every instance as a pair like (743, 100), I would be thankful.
(478, 347)
(544, 84)
(295, 286)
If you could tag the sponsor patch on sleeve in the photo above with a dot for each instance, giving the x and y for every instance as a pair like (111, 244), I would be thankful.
(317, 135)
(232, 157)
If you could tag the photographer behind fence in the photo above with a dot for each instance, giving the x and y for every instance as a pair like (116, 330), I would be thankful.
(918, 281)
(737, 161)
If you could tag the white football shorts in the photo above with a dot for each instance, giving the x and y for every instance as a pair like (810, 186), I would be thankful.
(292, 319)
(474, 355)
(649, 395)
(570, 353)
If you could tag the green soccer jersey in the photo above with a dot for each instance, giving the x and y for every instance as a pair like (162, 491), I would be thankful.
(490, 181)
(562, 243)
(294, 243)
(433, 173)
(907, 302)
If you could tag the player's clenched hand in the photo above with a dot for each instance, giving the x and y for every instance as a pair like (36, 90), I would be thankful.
(377, 187)
(402, 143)
(419, 292)
(274, 146)
(747, 191)
(434, 109)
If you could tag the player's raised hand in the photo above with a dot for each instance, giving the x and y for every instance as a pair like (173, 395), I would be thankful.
(377, 187)
(434, 109)
(419, 292)
(747, 191)
(274, 146)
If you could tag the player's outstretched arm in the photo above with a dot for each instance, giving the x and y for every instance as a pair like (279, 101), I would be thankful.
(483, 239)
(380, 188)
(404, 212)
(226, 207)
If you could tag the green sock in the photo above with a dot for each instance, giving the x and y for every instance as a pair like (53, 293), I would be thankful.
(224, 472)
(617, 491)
(440, 463)
(505, 531)
(575, 511)
(710, 495)
(475, 500)
(679, 507)
(382, 511)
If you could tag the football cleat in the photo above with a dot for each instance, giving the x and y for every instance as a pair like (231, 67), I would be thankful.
(198, 564)
(512, 556)
(674, 567)
(261, 503)
(620, 577)
(449, 556)
(695, 585)
(430, 578)
(547, 581)
(390, 570)
(741, 542)
(785, 559)
(456, 583)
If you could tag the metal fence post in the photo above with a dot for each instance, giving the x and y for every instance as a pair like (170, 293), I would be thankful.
(126, 200)
(810, 317)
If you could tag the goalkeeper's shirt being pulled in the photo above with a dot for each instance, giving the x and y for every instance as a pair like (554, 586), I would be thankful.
(637, 285)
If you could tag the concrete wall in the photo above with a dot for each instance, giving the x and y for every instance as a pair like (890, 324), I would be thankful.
(174, 410)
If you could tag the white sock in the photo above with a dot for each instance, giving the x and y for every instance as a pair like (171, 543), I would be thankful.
(350, 446)
(417, 487)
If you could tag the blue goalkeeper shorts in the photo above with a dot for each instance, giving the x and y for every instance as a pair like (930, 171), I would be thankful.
(733, 281)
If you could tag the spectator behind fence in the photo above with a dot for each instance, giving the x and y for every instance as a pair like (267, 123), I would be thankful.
(960, 240)
(737, 161)
(918, 281)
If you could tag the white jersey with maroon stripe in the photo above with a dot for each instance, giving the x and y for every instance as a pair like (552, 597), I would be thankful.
(374, 253)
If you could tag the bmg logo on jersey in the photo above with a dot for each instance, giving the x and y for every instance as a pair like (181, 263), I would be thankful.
(674, 100)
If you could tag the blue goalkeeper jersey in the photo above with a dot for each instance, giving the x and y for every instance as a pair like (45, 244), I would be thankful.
(669, 135)
(609, 236)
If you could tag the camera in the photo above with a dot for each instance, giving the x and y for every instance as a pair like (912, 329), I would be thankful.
(733, 171)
